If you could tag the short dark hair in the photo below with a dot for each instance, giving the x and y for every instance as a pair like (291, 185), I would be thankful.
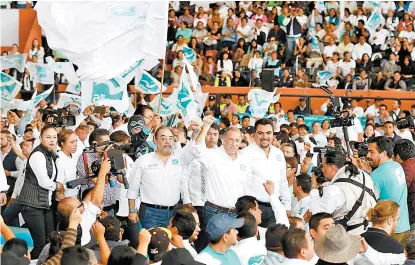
(293, 124)
(264, 122)
(184, 222)
(245, 203)
(304, 181)
(139, 110)
(214, 126)
(274, 236)
(388, 122)
(286, 126)
(17, 246)
(300, 117)
(405, 149)
(383, 105)
(292, 243)
(226, 121)
(45, 128)
(112, 228)
(96, 134)
(119, 136)
(250, 227)
(75, 255)
(337, 140)
(245, 117)
(396, 99)
(290, 110)
(305, 127)
(335, 158)
(121, 255)
(316, 218)
(383, 143)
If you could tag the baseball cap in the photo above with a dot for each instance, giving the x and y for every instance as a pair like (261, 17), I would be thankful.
(347, 105)
(160, 240)
(303, 98)
(179, 256)
(11, 258)
(222, 223)
(211, 98)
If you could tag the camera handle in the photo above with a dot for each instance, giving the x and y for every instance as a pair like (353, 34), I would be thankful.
(346, 139)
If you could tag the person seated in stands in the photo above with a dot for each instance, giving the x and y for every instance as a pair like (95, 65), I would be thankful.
(302, 108)
(222, 79)
(255, 80)
(378, 82)
(184, 31)
(361, 82)
(175, 75)
(238, 79)
(301, 79)
(286, 79)
(395, 83)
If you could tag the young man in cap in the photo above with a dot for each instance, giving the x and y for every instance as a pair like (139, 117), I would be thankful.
(302, 108)
(222, 235)
(159, 244)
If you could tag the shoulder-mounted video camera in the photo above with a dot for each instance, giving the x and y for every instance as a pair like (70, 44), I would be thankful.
(62, 117)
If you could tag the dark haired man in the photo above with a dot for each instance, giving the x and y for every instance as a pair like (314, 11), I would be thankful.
(267, 163)
(297, 247)
(301, 190)
(273, 237)
(389, 179)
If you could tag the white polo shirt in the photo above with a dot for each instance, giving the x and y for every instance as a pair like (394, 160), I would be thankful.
(267, 168)
(279, 210)
(346, 67)
(250, 251)
(226, 179)
(328, 50)
(301, 207)
(159, 184)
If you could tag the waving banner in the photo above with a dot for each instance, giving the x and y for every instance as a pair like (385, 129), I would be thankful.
(74, 88)
(200, 99)
(68, 99)
(42, 96)
(189, 53)
(167, 105)
(374, 20)
(259, 101)
(105, 38)
(41, 73)
(147, 84)
(324, 76)
(185, 102)
(10, 87)
(112, 92)
(65, 68)
(17, 61)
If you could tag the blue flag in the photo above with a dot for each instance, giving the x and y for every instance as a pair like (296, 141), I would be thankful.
(147, 84)
(324, 76)
(41, 73)
(189, 53)
(10, 87)
(374, 20)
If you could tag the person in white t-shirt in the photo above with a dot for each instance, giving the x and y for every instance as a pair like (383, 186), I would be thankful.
(329, 50)
(347, 65)
(302, 188)
(355, 132)
(408, 33)
(321, 139)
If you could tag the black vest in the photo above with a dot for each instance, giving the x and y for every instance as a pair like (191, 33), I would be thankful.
(9, 162)
(32, 194)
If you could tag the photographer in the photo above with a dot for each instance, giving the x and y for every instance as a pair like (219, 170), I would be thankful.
(404, 126)
(355, 132)
(343, 195)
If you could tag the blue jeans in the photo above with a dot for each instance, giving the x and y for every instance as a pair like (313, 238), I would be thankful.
(152, 217)
(11, 214)
(291, 45)
(209, 212)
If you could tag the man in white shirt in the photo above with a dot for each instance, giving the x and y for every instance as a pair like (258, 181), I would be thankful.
(225, 170)
(347, 65)
(408, 33)
(267, 163)
(321, 139)
(302, 188)
(361, 48)
(329, 50)
(248, 249)
(244, 30)
(357, 111)
(379, 36)
(373, 110)
(355, 131)
(158, 176)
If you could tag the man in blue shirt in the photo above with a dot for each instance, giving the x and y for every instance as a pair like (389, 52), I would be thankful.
(222, 235)
(389, 180)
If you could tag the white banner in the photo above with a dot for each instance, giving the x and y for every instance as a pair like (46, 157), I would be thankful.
(65, 68)
(10, 87)
(167, 105)
(105, 38)
(9, 27)
(41, 73)
(68, 99)
(112, 92)
(147, 84)
(259, 101)
(74, 88)
(17, 61)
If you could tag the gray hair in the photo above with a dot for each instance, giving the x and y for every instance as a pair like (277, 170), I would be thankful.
(410, 244)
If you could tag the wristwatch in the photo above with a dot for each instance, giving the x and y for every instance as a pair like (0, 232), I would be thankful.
(133, 210)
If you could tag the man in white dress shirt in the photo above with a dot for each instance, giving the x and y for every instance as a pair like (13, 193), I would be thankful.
(298, 248)
(267, 163)
(302, 187)
(225, 170)
(158, 176)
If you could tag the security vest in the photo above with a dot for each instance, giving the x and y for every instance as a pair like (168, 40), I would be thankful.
(353, 213)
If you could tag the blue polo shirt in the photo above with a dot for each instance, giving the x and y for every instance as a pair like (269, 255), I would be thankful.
(389, 180)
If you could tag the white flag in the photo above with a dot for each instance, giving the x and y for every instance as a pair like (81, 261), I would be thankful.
(324, 76)
(10, 87)
(65, 68)
(17, 61)
(68, 99)
(105, 38)
(30, 112)
(260, 101)
(193, 79)
(112, 92)
(41, 73)
(74, 88)
(147, 84)
(42, 96)
(131, 108)
(167, 105)
(185, 101)
(201, 101)
(374, 20)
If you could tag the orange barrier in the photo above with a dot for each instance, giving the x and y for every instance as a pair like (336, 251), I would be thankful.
(29, 29)
(290, 96)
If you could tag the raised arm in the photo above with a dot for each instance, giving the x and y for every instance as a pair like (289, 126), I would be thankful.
(207, 122)
(97, 193)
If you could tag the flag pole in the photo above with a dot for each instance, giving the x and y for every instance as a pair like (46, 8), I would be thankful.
(161, 85)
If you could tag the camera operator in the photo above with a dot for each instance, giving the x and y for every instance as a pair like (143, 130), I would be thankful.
(389, 180)
(83, 167)
(405, 125)
(343, 195)
(355, 132)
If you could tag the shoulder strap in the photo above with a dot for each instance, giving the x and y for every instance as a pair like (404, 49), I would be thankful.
(85, 159)
(354, 182)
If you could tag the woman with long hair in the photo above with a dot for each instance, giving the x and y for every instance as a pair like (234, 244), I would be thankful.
(225, 64)
(38, 188)
(325, 127)
(37, 50)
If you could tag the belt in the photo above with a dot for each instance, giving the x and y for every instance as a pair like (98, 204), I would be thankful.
(267, 204)
(222, 209)
(158, 206)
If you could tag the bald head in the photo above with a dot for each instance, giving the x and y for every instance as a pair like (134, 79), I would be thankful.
(67, 205)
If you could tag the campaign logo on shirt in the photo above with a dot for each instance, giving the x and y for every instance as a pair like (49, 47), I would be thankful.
(257, 260)
(153, 165)
(175, 161)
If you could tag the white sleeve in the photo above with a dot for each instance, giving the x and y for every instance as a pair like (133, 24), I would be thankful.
(187, 170)
(106, 123)
(285, 194)
(135, 179)
(89, 216)
(384, 258)
(37, 162)
(200, 151)
(279, 210)
(19, 164)
(19, 184)
(60, 178)
(36, 133)
(3, 179)
(186, 153)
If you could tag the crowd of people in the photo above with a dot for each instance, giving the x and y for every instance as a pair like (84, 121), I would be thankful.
(229, 188)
